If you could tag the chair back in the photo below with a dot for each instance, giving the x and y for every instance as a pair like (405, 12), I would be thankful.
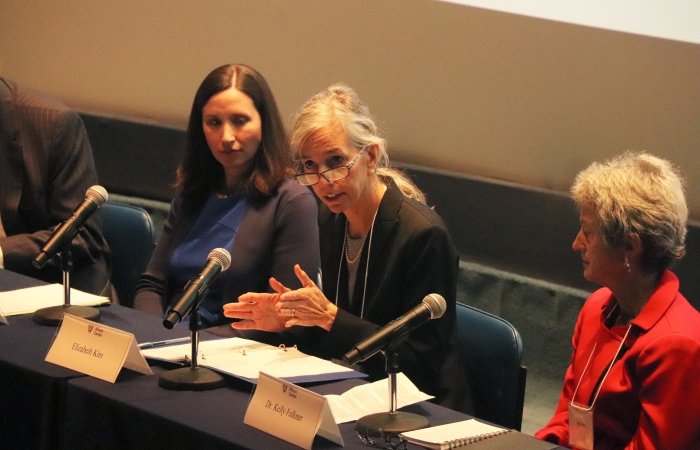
(130, 234)
(492, 351)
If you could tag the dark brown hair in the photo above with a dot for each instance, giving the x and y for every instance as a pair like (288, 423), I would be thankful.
(199, 173)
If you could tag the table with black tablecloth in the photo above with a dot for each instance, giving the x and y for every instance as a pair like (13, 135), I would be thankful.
(32, 391)
(43, 405)
(137, 413)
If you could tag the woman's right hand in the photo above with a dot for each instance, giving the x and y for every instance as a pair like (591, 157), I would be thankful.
(307, 306)
(257, 310)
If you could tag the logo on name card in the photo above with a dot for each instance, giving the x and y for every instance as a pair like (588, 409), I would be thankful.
(95, 330)
(289, 390)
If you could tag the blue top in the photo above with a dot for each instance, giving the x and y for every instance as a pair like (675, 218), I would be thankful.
(216, 227)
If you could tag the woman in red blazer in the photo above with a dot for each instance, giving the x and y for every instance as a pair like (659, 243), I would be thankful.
(632, 382)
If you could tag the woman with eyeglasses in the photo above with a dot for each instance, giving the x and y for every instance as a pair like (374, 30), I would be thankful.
(234, 191)
(382, 251)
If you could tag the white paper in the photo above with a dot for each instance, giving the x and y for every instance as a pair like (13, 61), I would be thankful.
(456, 433)
(373, 398)
(28, 300)
(3, 319)
(245, 358)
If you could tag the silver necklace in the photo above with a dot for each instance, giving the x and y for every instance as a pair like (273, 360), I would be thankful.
(345, 253)
(353, 247)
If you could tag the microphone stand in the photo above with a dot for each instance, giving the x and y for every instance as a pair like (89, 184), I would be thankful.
(192, 378)
(53, 315)
(388, 425)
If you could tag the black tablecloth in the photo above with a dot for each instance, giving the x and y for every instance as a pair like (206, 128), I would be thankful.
(32, 391)
(47, 406)
(137, 413)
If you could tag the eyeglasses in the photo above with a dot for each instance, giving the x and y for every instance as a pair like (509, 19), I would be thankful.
(335, 174)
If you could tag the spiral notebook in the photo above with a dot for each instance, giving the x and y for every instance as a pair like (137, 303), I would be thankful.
(453, 435)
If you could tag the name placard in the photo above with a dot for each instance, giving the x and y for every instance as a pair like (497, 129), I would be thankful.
(291, 413)
(95, 349)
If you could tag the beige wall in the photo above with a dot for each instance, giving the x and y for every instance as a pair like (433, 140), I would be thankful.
(456, 88)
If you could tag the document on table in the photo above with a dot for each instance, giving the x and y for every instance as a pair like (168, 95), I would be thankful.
(473, 434)
(453, 435)
(373, 398)
(245, 358)
(28, 300)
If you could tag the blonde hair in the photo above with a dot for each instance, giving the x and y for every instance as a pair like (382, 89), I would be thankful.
(338, 107)
(637, 193)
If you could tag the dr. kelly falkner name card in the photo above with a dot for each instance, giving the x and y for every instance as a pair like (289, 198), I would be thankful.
(95, 349)
(291, 413)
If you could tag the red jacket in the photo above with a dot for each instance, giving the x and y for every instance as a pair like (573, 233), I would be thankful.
(651, 397)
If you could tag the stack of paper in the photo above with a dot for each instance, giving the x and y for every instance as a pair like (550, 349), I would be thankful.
(453, 435)
(28, 300)
(374, 398)
(245, 358)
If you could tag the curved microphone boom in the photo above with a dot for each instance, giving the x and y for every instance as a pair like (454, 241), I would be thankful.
(433, 306)
(95, 197)
(218, 260)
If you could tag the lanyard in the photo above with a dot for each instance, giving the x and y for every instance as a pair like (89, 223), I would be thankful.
(600, 385)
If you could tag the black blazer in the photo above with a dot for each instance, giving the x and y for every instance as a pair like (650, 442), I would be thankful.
(411, 255)
(46, 167)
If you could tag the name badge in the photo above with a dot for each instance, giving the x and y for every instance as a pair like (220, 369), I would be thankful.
(580, 427)
(95, 349)
(291, 413)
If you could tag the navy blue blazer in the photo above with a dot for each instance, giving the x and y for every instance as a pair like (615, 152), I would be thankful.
(275, 233)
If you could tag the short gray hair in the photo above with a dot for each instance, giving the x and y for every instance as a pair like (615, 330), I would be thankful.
(637, 193)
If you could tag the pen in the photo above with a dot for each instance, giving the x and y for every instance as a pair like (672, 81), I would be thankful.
(155, 344)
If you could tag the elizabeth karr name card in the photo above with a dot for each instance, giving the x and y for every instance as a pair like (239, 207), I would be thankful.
(95, 349)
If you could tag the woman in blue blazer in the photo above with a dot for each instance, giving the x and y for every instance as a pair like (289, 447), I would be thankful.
(234, 191)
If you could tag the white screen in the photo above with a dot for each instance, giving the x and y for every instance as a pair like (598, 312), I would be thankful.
(669, 19)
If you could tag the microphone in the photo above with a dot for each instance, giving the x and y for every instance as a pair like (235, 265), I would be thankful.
(218, 260)
(95, 197)
(432, 307)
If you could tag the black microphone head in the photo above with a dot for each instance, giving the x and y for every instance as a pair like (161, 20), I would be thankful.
(221, 256)
(98, 194)
(436, 304)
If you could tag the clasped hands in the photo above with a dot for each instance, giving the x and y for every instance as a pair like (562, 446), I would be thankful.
(283, 308)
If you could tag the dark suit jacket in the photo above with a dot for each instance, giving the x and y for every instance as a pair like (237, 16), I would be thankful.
(46, 167)
(276, 233)
(411, 255)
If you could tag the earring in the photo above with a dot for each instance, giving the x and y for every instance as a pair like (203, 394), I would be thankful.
(627, 265)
